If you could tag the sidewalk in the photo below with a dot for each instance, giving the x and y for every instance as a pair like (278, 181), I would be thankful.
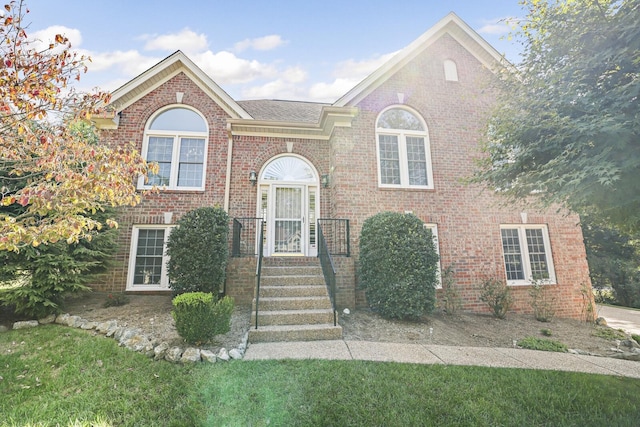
(442, 355)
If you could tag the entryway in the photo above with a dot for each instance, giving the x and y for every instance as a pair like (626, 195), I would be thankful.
(288, 201)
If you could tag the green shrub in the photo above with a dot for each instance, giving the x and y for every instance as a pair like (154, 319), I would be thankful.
(116, 300)
(37, 279)
(546, 332)
(450, 301)
(199, 317)
(543, 344)
(198, 251)
(542, 301)
(636, 338)
(398, 265)
(497, 295)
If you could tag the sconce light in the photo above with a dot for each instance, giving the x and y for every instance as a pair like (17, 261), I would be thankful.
(324, 180)
(253, 178)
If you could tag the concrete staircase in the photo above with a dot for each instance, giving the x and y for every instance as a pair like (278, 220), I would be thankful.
(294, 303)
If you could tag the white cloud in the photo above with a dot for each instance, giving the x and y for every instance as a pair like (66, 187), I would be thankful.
(261, 43)
(357, 70)
(329, 92)
(43, 37)
(287, 86)
(185, 40)
(226, 68)
(129, 62)
(498, 26)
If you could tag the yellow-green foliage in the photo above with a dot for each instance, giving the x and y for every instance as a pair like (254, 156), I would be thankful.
(199, 317)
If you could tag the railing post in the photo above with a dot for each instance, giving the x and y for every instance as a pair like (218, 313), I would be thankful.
(348, 239)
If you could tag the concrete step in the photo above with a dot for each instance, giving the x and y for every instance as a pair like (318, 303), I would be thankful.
(295, 333)
(292, 271)
(291, 280)
(293, 303)
(289, 261)
(293, 291)
(293, 317)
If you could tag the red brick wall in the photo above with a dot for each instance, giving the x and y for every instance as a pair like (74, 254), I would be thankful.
(468, 217)
(150, 211)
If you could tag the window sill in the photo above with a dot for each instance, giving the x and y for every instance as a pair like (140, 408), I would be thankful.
(402, 188)
(173, 189)
(528, 282)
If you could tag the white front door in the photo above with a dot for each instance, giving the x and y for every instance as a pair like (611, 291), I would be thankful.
(288, 220)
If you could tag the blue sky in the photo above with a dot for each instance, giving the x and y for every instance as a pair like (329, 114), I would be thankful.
(257, 49)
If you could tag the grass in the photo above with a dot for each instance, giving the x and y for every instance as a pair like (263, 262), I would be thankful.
(609, 333)
(542, 344)
(55, 375)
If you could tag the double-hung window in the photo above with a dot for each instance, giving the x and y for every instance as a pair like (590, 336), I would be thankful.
(404, 156)
(527, 254)
(176, 140)
(147, 261)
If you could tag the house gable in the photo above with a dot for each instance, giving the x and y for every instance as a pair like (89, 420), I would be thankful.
(451, 25)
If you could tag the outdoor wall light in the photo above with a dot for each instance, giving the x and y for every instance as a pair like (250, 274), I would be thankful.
(253, 177)
(324, 180)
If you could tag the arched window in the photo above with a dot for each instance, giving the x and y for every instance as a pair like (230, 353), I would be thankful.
(404, 157)
(450, 71)
(176, 139)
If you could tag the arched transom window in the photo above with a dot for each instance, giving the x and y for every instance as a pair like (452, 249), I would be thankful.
(404, 157)
(176, 139)
(290, 169)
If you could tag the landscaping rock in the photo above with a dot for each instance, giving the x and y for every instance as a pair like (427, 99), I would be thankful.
(112, 331)
(627, 356)
(629, 344)
(138, 342)
(74, 321)
(191, 355)
(25, 324)
(3, 329)
(160, 351)
(601, 321)
(87, 326)
(47, 320)
(104, 327)
(173, 354)
(208, 356)
(223, 354)
(62, 319)
(236, 354)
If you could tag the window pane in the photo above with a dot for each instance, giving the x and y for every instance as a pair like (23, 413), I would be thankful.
(288, 169)
(160, 151)
(389, 160)
(512, 254)
(537, 254)
(149, 252)
(179, 119)
(416, 161)
(191, 162)
(397, 118)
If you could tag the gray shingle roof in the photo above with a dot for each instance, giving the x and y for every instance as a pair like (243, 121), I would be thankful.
(283, 111)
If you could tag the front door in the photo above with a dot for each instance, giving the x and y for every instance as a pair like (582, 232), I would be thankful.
(288, 220)
(288, 194)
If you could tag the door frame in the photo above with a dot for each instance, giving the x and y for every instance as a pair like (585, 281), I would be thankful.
(266, 206)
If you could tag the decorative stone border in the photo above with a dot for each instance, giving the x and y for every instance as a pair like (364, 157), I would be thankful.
(133, 339)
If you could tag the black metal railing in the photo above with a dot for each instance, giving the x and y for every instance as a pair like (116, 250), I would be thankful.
(245, 236)
(336, 236)
(259, 266)
(328, 269)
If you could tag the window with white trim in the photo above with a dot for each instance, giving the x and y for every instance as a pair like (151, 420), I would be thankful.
(527, 254)
(148, 260)
(176, 139)
(404, 155)
(436, 243)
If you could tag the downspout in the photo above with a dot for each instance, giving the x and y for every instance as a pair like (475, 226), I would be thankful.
(227, 186)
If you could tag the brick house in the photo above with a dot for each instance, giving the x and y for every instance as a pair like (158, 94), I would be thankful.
(401, 140)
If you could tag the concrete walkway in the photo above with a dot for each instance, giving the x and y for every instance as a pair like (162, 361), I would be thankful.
(443, 355)
(627, 319)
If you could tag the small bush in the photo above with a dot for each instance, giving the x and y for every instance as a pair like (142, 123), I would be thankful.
(199, 317)
(198, 251)
(636, 338)
(497, 295)
(546, 332)
(116, 300)
(451, 300)
(542, 301)
(543, 344)
(398, 265)
(609, 333)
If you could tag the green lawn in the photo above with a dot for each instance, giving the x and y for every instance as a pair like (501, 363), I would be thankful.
(55, 375)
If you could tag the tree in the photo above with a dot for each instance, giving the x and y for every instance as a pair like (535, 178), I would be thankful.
(567, 126)
(52, 178)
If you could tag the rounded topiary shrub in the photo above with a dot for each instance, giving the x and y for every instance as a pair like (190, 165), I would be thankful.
(198, 251)
(398, 265)
(199, 317)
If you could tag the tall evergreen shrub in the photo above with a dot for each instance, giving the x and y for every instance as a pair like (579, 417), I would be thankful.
(398, 265)
(35, 281)
(198, 251)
